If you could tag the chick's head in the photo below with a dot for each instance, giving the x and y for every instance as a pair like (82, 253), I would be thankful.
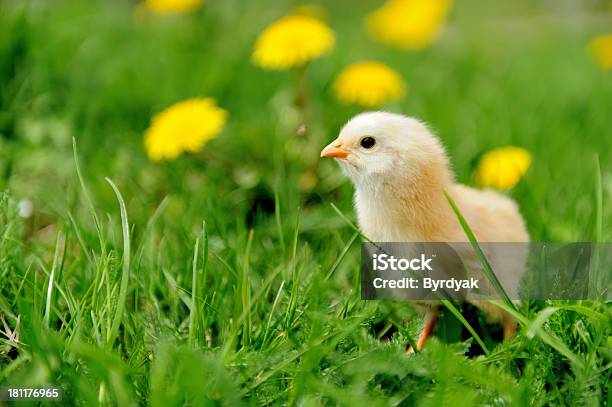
(379, 147)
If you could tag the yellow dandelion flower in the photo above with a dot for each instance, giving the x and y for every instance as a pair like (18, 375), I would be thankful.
(502, 168)
(410, 24)
(183, 127)
(601, 47)
(369, 84)
(292, 41)
(173, 6)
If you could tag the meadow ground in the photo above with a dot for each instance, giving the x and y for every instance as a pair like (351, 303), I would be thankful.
(226, 276)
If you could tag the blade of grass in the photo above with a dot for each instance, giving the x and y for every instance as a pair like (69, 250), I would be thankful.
(338, 261)
(54, 267)
(451, 307)
(290, 313)
(267, 333)
(279, 224)
(88, 200)
(194, 287)
(21, 284)
(584, 311)
(203, 274)
(246, 293)
(79, 236)
(483, 259)
(349, 223)
(150, 224)
(121, 301)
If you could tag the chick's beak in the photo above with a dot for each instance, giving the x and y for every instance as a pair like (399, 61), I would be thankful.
(333, 150)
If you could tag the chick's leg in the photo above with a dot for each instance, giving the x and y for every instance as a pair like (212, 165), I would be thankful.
(429, 323)
(509, 327)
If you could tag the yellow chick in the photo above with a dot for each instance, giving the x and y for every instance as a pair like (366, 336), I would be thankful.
(400, 171)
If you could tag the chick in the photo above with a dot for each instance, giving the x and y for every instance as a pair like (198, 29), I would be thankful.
(400, 171)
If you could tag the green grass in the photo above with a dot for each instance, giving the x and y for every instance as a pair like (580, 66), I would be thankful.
(223, 277)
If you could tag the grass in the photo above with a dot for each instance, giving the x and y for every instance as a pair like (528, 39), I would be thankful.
(225, 277)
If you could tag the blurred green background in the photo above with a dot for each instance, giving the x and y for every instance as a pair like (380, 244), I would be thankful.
(517, 73)
(269, 327)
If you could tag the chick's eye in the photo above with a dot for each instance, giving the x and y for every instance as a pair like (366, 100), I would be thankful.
(368, 142)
